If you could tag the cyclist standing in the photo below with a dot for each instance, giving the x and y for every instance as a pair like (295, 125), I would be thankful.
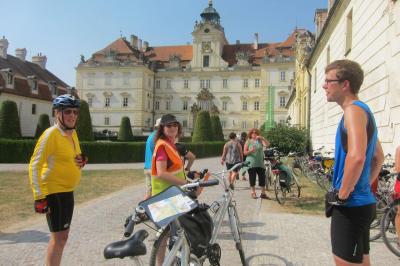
(55, 171)
(148, 157)
(232, 154)
(358, 157)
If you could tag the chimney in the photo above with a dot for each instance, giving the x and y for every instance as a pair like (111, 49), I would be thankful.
(40, 60)
(134, 40)
(139, 44)
(237, 42)
(255, 45)
(20, 53)
(145, 46)
(3, 47)
(319, 20)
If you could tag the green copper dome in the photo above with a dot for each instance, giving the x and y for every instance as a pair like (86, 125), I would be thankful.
(210, 13)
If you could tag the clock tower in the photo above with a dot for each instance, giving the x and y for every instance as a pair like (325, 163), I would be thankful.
(208, 41)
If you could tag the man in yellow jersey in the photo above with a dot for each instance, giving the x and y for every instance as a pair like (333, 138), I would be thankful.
(55, 171)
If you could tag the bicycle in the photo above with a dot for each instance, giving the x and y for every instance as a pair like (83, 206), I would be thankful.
(388, 228)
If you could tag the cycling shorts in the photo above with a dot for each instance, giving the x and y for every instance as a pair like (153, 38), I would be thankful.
(350, 231)
(61, 206)
(230, 165)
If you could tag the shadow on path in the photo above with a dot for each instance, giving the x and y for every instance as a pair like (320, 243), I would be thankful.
(26, 236)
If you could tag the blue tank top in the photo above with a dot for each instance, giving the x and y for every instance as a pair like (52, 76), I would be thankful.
(362, 194)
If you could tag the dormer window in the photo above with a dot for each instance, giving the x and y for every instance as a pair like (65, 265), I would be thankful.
(8, 77)
(33, 83)
(53, 88)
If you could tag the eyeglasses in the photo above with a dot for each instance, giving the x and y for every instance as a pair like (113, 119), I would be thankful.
(172, 125)
(70, 111)
(327, 81)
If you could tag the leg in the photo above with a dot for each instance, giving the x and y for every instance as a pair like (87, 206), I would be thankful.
(252, 179)
(147, 179)
(55, 247)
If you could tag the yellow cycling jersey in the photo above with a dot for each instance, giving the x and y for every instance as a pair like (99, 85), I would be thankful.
(52, 168)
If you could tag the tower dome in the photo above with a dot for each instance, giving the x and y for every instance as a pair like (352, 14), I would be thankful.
(210, 13)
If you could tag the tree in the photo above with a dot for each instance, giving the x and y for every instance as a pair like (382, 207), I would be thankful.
(43, 124)
(125, 130)
(202, 129)
(287, 139)
(216, 128)
(84, 125)
(10, 126)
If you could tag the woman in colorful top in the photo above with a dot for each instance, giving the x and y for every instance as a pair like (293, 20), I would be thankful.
(167, 165)
(253, 149)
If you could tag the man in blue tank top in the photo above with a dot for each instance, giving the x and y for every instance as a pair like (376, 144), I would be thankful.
(358, 158)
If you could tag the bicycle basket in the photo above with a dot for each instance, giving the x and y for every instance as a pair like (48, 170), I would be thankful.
(168, 205)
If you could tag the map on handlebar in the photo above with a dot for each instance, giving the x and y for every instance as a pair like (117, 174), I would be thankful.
(168, 205)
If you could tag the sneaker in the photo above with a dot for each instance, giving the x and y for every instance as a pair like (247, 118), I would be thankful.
(264, 196)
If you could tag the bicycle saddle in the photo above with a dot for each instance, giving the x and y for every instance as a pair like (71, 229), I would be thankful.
(130, 247)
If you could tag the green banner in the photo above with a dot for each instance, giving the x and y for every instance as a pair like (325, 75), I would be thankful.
(269, 108)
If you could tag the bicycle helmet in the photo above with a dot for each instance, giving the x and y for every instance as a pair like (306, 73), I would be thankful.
(66, 101)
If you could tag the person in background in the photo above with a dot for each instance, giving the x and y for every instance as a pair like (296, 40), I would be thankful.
(242, 141)
(147, 159)
(232, 154)
(253, 149)
(358, 160)
(55, 171)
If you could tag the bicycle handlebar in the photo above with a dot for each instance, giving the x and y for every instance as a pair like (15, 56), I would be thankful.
(208, 183)
(137, 217)
(239, 165)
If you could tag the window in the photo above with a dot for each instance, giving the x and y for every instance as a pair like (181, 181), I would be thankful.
(148, 104)
(282, 121)
(244, 124)
(107, 102)
(185, 105)
(158, 84)
(157, 105)
(10, 80)
(257, 83)
(90, 81)
(245, 83)
(282, 101)
(186, 84)
(33, 109)
(349, 32)
(204, 83)
(256, 106)
(90, 101)
(256, 124)
(283, 75)
(167, 105)
(107, 79)
(224, 83)
(206, 61)
(169, 84)
(106, 121)
(53, 88)
(244, 106)
(184, 123)
(224, 106)
(149, 83)
(223, 124)
(125, 78)
(328, 55)
(125, 102)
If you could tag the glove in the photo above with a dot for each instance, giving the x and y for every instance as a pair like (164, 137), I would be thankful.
(41, 206)
(332, 197)
(191, 175)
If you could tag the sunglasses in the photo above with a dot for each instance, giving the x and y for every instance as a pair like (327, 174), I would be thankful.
(70, 111)
(172, 125)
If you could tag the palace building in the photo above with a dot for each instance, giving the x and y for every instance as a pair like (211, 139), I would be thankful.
(246, 84)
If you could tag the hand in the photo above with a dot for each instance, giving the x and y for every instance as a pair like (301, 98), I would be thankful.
(40, 206)
(332, 197)
(81, 160)
(192, 175)
(222, 162)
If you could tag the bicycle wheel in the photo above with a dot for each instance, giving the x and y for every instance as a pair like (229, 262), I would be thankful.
(161, 247)
(388, 229)
(295, 190)
(268, 180)
(280, 191)
(236, 232)
(375, 228)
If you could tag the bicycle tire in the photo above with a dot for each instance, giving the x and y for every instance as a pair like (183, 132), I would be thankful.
(268, 181)
(280, 192)
(388, 229)
(375, 227)
(158, 244)
(237, 232)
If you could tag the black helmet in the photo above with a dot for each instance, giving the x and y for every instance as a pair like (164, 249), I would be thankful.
(66, 101)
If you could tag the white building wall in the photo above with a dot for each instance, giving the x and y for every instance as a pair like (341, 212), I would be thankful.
(376, 46)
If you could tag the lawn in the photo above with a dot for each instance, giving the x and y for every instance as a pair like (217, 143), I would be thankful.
(16, 201)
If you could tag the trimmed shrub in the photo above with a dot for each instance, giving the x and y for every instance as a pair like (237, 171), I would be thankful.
(84, 125)
(10, 126)
(43, 124)
(202, 129)
(216, 126)
(287, 139)
(125, 130)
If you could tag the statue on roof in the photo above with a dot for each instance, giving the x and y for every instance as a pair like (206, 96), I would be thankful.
(82, 58)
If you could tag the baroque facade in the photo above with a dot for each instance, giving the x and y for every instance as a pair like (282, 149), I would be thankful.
(368, 33)
(30, 85)
(246, 84)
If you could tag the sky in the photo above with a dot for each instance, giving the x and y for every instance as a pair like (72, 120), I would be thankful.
(64, 30)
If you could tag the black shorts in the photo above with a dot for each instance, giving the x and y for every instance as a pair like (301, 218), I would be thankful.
(350, 231)
(230, 165)
(61, 206)
(253, 173)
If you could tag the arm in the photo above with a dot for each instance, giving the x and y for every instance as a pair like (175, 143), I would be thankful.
(166, 176)
(355, 120)
(190, 157)
(223, 154)
(397, 160)
(377, 162)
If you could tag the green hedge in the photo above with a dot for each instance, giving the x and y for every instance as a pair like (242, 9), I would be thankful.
(20, 151)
